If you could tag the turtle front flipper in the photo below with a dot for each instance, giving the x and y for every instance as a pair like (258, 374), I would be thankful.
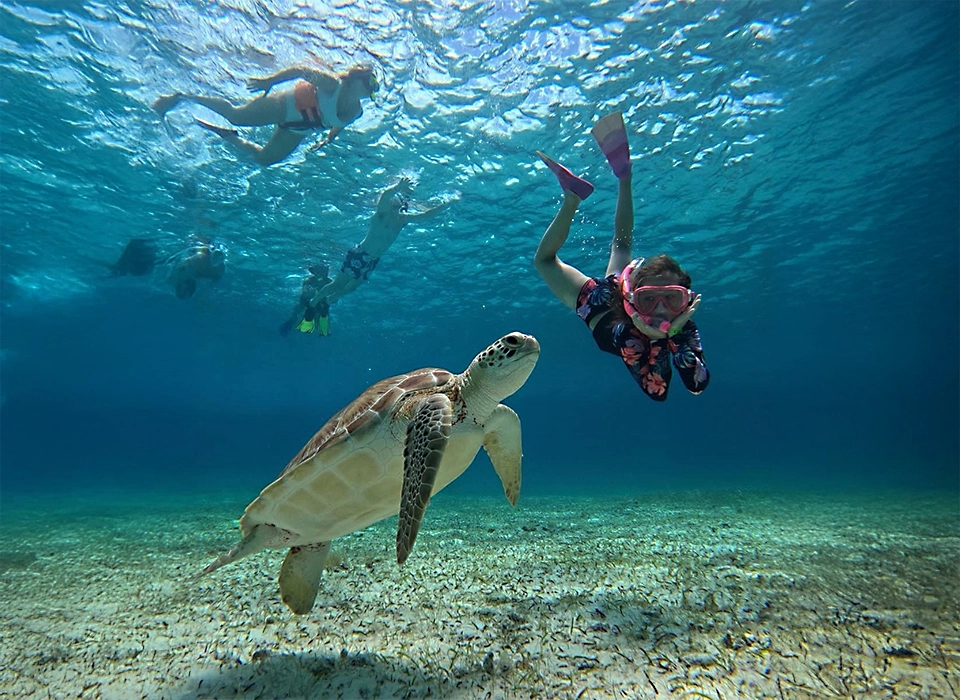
(426, 439)
(300, 575)
(501, 440)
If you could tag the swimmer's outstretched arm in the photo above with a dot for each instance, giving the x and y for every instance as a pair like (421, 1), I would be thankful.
(321, 79)
(426, 213)
(403, 186)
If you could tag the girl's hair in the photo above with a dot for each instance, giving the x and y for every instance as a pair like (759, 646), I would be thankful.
(659, 266)
(361, 71)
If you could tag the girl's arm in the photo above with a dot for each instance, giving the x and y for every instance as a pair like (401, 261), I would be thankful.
(688, 358)
(324, 81)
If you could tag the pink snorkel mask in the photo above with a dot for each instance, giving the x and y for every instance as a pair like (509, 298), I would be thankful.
(644, 300)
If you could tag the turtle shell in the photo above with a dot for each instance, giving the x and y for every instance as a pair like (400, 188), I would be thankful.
(374, 405)
(342, 475)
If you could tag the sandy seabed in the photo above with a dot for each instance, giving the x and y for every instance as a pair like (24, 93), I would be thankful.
(655, 596)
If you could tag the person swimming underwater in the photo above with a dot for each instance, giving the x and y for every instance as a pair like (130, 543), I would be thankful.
(639, 309)
(309, 317)
(202, 260)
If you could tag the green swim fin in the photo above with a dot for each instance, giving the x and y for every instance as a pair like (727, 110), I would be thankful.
(323, 318)
(309, 321)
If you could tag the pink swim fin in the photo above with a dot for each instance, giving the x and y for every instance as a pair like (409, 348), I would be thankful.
(568, 181)
(611, 136)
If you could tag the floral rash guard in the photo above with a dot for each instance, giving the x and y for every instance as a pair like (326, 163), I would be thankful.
(648, 360)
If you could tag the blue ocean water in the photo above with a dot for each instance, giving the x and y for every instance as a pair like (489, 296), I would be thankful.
(799, 158)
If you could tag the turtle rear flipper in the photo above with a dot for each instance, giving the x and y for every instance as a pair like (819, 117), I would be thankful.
(426, 439)
(300, 576)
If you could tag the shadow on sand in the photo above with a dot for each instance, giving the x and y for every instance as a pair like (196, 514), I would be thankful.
(315, 675)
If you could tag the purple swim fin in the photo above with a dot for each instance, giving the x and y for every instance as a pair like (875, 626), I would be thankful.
(611, 136)
(568, 181)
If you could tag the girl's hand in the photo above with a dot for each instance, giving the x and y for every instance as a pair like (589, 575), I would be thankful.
(680, 321)
(331, 135)
(259, 84)
(319, 144)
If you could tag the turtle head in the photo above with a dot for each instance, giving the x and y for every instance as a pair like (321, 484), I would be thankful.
(503, 367)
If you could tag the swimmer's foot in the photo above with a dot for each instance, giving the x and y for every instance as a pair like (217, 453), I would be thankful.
(611, 136)
(165, 103)
(220, 131)
(568, 181)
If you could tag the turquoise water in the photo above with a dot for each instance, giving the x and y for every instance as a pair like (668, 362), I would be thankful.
(799, 158)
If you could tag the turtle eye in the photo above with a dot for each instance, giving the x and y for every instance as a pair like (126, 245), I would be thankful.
(513, 340)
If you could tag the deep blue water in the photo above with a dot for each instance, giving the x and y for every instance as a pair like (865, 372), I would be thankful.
(799, 158)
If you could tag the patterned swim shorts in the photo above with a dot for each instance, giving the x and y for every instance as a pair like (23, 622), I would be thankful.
(359, 263)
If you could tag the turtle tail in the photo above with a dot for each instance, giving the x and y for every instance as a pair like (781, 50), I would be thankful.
(260, 537)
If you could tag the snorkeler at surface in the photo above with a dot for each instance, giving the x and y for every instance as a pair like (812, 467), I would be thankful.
(202, 260)
(138, 258)
(640, 309)
(317, 101)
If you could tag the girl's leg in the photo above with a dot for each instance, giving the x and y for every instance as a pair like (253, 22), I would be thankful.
(280, 145)
(266, 109)
(611, 135)
(558, 230)
(620, 248)
(565, 281)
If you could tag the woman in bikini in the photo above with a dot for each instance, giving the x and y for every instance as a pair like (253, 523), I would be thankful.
(639, 310)
(317, 101)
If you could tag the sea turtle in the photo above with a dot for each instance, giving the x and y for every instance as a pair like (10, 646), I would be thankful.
(399, 442)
